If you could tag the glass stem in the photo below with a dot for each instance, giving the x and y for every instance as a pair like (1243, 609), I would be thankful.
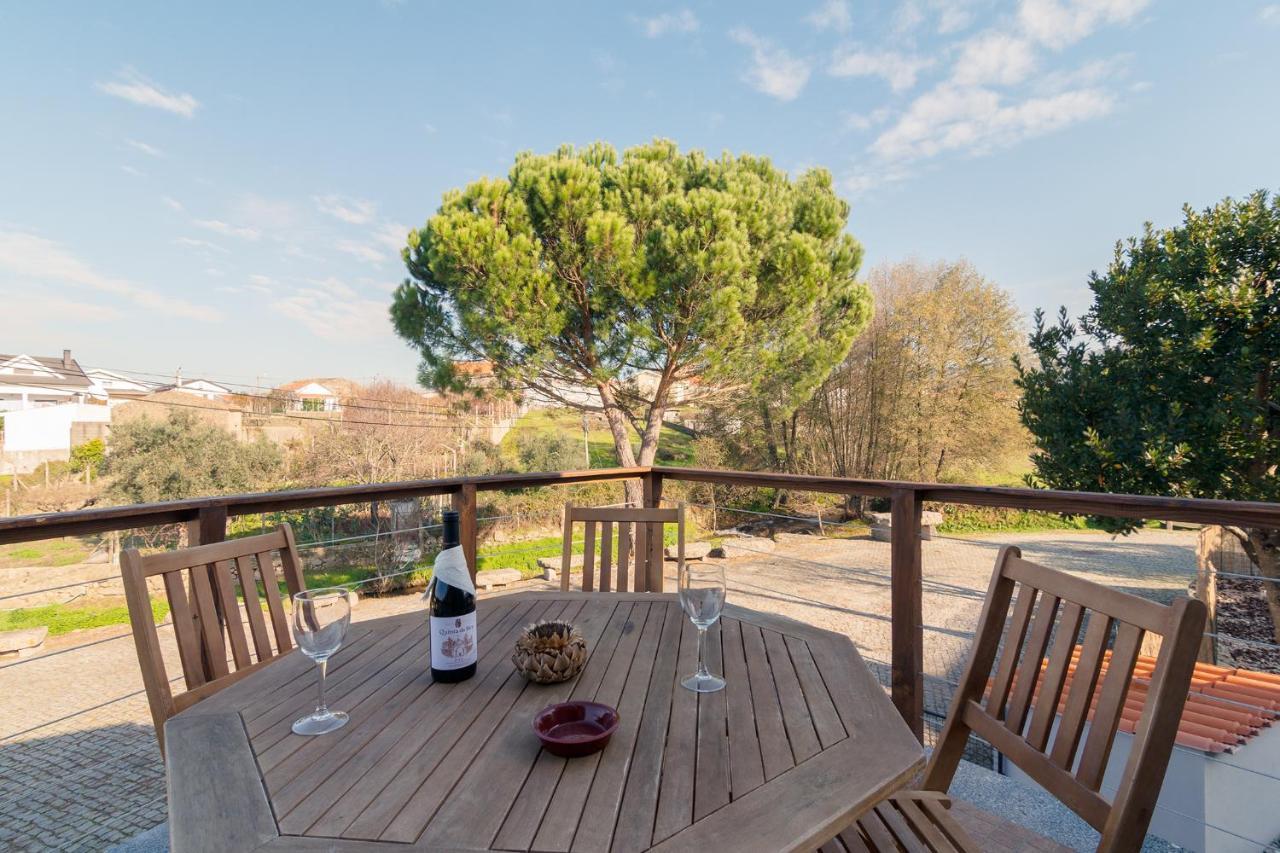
(702, 651)
(322, 709)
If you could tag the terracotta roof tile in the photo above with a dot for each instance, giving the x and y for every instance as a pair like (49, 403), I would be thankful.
(1225, 706)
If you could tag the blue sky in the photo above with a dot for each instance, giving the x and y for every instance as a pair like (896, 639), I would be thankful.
(224, 187)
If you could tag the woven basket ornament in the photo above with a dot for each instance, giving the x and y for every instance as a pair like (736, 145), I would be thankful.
(549, 652)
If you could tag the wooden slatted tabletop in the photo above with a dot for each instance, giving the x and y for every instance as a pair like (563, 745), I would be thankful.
(801, 742)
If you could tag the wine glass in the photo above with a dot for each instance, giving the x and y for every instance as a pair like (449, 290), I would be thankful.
(320, 620)
(702, 590)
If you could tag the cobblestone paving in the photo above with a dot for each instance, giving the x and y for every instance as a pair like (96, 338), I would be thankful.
(80, 770)
(79, 766)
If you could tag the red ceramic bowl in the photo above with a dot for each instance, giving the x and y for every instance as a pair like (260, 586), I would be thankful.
(574, 729)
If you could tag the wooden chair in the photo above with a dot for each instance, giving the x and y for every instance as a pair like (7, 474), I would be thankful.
(639, 556)
(202, 583)
(1013, 705)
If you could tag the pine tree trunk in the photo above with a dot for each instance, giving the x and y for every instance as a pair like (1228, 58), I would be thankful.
(618, 428)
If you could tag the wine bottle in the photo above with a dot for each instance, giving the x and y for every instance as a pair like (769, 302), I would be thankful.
(452, 608)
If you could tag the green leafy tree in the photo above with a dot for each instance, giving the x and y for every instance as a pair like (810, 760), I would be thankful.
(183, 457)
(1169, 383)
(585, 270)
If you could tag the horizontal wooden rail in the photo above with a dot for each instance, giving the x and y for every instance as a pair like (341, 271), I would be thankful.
(25, 528)
(1202, 510)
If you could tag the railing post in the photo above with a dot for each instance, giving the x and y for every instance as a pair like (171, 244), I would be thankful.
(210, 525)
(653, 532)
(907, 677)
(464, 501)
(652, 490)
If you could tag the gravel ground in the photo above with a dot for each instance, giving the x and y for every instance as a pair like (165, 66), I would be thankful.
(843, 585)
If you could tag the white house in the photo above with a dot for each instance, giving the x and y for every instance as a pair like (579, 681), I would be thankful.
(28, 381)
(204, 388)
(119, 385)
(316, 395)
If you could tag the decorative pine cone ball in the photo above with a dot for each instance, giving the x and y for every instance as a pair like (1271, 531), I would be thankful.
(549, 652)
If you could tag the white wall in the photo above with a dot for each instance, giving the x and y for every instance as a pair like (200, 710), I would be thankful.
(1236, 791)
(48, 427)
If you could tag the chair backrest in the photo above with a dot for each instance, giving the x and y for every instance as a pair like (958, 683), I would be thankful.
(1024, 691)
(204, 584)
(631, 561)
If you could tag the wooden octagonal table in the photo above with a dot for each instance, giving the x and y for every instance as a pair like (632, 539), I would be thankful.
(801, 741)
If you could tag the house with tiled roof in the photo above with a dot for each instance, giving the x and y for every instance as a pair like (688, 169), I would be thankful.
(322, 394)
(31, 381)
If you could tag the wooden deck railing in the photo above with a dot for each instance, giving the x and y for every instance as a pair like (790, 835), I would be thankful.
(206, 520)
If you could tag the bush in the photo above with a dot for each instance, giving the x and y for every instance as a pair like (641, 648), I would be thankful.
(183, 457)
(88, 455)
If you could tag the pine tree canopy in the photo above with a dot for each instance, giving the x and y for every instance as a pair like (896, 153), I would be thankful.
(582, 268)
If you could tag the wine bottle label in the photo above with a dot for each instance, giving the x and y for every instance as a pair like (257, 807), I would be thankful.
(453, 641)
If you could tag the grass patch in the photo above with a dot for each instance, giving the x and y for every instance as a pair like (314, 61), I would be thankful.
(674, 447)
(64, 618)
(524, 555)
(974, 520)
(47, 552)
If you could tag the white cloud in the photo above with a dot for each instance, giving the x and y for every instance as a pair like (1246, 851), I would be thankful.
(909, 16)
(605, 61)
(363, 251)
(994, 57)
(1092, 73)
(130, 170)
(773, 71)
(333, 286)
(866, 121)
(393, 235)
(25, 308)
(133, 87)
(262, 284)
(193, 243)
(863, 180)
(899, 70)
(37, 259)
(952, 17)
(355, 211)
(227, 229)
(831, 15)
(266, 214)
(977, 120)
(1270, 14)
(149, 150)
(679, 22)
(330, 308)
(172, 203)
(1059, 23)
